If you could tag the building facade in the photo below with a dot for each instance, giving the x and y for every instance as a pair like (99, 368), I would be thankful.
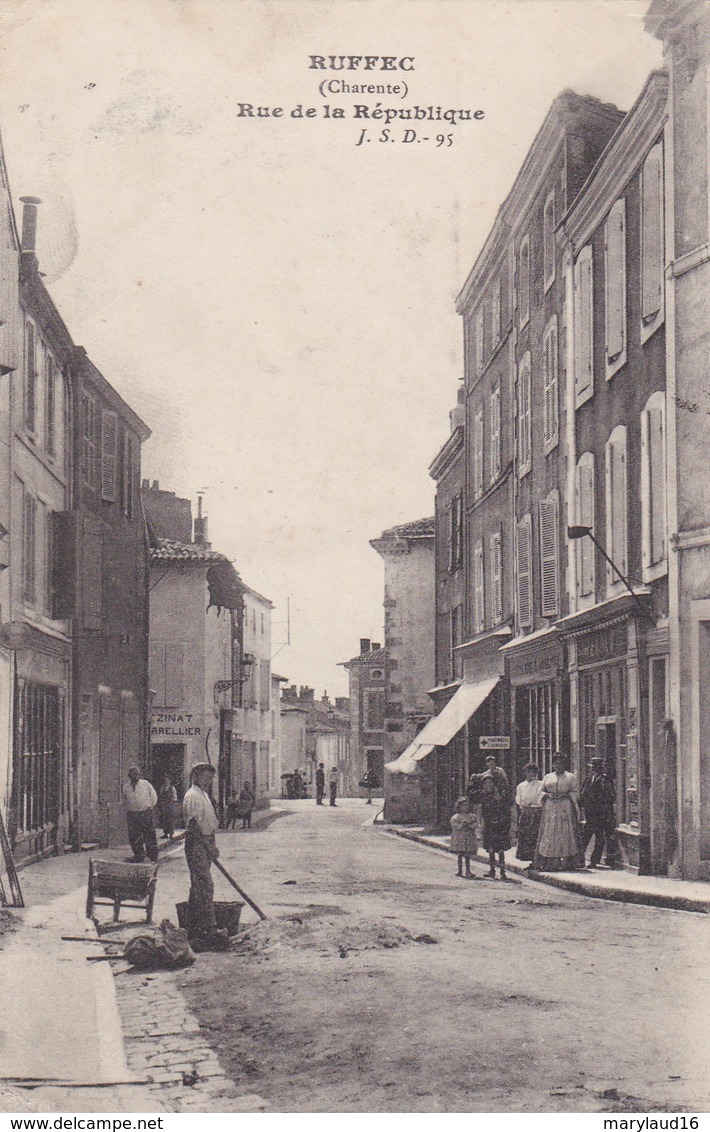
(369, 676)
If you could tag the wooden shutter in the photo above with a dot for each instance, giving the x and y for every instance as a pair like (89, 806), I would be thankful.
(616, 502)
(524, 282)
(30, 549)
(174, 675)
(551, 407)
(478, 454)
(652, 235)
(524, 434)
(49, 404)
(496, 577)
(130, 751)
(109, 748)
(128, 475)
(584, 485)
(265, 672)
(615, 244)
(548, 242)
(63, 564)
(496, 313)
(88, 451)
(479, 592)
(479, 341)
(109, 438)
(92, 575)
(156, 674)
(657, 483)
(31, 379)
(583, 340)
(549, 558)
(495, 434)
(524, 572)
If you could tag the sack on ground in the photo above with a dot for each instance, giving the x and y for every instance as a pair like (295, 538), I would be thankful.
(163, 948)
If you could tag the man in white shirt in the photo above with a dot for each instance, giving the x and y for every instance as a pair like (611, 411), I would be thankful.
(200, 851)
(140, 800)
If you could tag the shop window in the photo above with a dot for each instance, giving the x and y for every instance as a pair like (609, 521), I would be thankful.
(584, 509)
(654, 554)
(615, 287)
(652, 253)
(494, 424)
(549, 558)
(616, 507)
(524, 417)
(583, 327)
(478, 454)
(524, 283)
(548, 242)
(551, 386)
(523, 567)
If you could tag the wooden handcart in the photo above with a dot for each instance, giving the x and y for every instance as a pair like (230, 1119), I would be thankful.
(121, 883)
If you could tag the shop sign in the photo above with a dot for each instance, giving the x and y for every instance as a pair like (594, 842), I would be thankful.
(173, 725)
(494, 743)
(602, 645)
(535, 665)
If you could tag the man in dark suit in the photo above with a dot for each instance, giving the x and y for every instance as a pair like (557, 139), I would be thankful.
(320, 784)
(597, 799)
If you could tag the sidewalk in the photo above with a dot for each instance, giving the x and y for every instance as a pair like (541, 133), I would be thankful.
(604, 884)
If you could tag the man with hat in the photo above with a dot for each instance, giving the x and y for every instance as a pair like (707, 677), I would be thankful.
(597, 799)
(200, 850)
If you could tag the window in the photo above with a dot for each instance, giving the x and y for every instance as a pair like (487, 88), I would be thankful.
(478, 454)
(496, 313)
(583, 327)
(524, 420)
(92, 574)
(584, 509)
(456, 533)
(496, 575)
(652, 241)
(495, 434)
(88, 450)
(29, 541)
(524, 283)
(653, 487)
(456, 639)
(265, 690)
(479, 340)
(548, 241)
(49, 405)
(479, 607)
(551, 384)
(615, 279)
(128, 479)
(523, 539)
(549, 558)
(616, 506)
(109, 437)
(166, 674)
(31, 378)
(374, 709)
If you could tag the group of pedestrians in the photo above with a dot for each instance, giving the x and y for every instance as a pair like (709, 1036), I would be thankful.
(550, 833)
(332, 784)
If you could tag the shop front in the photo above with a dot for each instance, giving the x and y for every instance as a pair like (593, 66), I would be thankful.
(536, 671)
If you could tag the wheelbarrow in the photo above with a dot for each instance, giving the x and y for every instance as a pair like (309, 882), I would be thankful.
(121, 883)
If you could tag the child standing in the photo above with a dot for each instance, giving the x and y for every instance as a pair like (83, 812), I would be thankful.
(464, 836)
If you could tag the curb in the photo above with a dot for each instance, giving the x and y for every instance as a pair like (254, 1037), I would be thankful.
(583, 888)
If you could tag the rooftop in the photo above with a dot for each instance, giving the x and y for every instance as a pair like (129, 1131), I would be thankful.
(168, 550)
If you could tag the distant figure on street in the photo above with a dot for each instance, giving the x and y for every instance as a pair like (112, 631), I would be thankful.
(369, 782)
(245, 805)
(528, 799)
(559, 844)
(464, 836)
(232, 807)
(597, 799)
(320, 784)
(333, 783)
(140, 800)
(495, 804)
(200, 851)
(297, 784)
(167, 797)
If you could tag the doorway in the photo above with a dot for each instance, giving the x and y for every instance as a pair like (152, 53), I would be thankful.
(169, 758)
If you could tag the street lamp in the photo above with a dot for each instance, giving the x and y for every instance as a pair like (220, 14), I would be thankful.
(578, 532)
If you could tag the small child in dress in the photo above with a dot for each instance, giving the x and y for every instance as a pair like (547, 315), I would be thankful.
(464, 836)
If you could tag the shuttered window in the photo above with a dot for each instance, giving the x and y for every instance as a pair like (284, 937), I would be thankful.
(479, 609)
(128, 477)
(166, 674)
(92, 575)
(456, 533)
(548, 241)
(583, 326)
(497, 577)
(551, 386)
(495, 313)
(30, 378)
(584, 507)
(616, 505)
(494, 448)
(63, 563)
(652, 237)
(479, 340)
(89, 418)
(549, 558)
(265, 689)
(523, 570)
(478, 454)
(374, 709)
(50, 406)
(524, 417)
(615, 280)
(654, 474)
(524, 282)
(29, 541)
(109, 441)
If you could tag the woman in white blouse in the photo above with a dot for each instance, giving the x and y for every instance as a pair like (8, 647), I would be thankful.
(528, 799)
(559, 845)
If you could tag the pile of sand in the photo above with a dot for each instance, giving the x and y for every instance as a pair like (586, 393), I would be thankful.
(328, 932)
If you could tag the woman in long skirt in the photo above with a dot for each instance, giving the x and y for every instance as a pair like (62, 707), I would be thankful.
(528, 799)
(559, 844)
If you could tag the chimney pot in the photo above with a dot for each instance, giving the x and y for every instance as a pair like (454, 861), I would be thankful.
(156, 486)
(375, 646)
(29, 223)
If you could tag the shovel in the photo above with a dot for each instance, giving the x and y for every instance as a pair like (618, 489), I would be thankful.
(241, 891)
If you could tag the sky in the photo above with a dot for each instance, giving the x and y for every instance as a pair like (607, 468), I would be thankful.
(275, 300)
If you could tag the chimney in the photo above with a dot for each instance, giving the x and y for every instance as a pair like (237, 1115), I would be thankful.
(457, 416)
(306, 695)
(201, 526)
(145, 486)
(375, 646)
(364, 645)
(342, 703)
(156, 486)
(29, 223)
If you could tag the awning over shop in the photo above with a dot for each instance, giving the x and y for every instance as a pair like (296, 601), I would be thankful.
(441, 729)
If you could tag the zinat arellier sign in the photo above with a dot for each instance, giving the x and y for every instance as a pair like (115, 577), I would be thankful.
(173, 725)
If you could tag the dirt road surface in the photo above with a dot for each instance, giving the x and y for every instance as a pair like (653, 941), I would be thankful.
(383, 983)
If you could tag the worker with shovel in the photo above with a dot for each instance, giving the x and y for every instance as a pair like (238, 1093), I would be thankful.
(201, 850)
